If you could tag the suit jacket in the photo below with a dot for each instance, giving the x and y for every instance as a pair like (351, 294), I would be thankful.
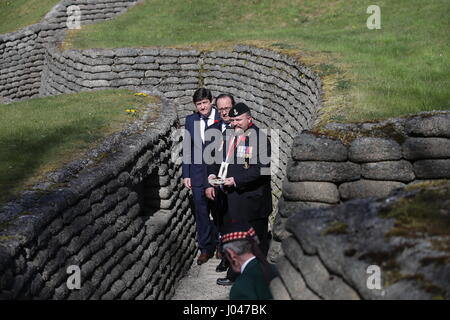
(193, 165)
(219, 205)
(251, 284)
(251, 198)
(213, 139)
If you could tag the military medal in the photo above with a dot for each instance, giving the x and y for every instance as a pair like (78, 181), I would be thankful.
(248, 152)
(241, 151)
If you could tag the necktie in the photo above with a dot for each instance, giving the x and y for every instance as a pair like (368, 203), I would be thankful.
(203, 128)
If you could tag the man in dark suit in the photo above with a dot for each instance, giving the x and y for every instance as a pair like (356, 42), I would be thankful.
(240, 244)
(246, 157)
(224, 103)
(194, 169)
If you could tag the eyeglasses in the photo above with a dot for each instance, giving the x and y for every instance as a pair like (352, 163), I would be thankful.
(224, 109)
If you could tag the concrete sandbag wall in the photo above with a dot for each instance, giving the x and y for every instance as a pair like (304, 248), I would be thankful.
(130, 228)
(22, 52)
(283, 95)
(125, 221)
(325, 228)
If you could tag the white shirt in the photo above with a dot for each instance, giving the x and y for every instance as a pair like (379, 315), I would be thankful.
(224, 126)
(210, 121)
(246, 263)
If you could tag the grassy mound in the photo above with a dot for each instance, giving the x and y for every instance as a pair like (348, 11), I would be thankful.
(401, 68)
(42, 134)
(16, 14)
(427, 212)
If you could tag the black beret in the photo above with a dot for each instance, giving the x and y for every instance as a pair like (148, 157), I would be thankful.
(238, 109)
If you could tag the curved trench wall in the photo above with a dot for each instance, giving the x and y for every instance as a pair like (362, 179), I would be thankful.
(152, 250)
(351, 162)
(22, 52)
(282, 94)
(130, 226)
(125, 222)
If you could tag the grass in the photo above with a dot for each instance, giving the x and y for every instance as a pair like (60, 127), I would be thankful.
(16, 14)
(42, 134)
(367, 74)
(426, 213)
(379, 131)
(336, 227)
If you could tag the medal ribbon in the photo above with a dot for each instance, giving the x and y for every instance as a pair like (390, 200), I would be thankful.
(233, 146)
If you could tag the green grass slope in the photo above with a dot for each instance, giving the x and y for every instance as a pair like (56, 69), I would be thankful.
(42, 134)
(401, 68)
(16, 14)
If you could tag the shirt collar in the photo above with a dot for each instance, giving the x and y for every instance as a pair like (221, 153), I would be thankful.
(246, 263)
(210, 115)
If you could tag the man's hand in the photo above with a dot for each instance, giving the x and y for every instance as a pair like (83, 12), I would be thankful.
(229, 182)
(210, 177)
(187, 183)
(210, 193)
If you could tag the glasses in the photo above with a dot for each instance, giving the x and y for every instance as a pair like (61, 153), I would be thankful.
(224, 109)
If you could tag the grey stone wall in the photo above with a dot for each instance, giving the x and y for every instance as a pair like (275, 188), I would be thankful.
(22, 52)
(348, 162)
(124, 220)
(332, 253)
(282, 94)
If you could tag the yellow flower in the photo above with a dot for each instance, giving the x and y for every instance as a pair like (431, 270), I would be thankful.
(141, 94)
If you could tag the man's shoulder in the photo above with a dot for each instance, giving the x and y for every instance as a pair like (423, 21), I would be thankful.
(250, 284)
(215, 125)
(192, 116)
(255, 269)
(243, 288)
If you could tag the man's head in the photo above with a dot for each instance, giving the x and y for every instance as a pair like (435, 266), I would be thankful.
(203, 101)
(237, 252)
(238, 240)
(224, 103)
(241, 118)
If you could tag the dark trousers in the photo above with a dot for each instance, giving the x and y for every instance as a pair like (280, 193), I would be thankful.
(218, 208)
(261, 227)
(206, 231)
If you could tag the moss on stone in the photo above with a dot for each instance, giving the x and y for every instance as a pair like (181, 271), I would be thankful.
(6, 238)
(426, 184)
(441, 260)
(4, 225)
(426, 212)
(336, 227)
(387, 260)
(346, 137)
(387, 131)
(441, 244)
(25, 213)
(392, 277)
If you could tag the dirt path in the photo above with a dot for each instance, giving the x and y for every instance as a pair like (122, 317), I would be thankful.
(200, 283)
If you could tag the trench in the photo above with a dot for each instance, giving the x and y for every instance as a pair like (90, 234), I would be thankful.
(128, 222)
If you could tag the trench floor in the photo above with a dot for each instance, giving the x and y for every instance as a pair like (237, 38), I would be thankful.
(200, 283)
